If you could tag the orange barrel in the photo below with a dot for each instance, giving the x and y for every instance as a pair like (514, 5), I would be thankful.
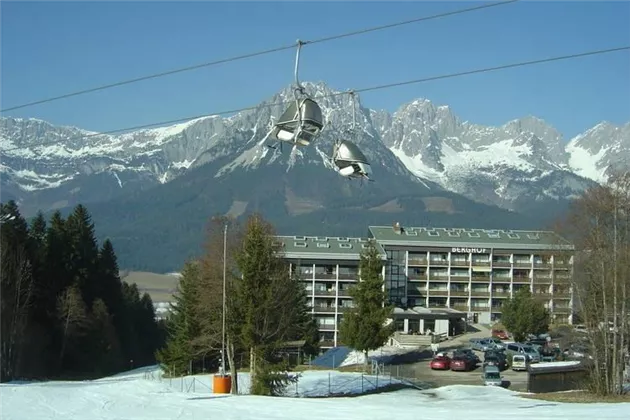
(221, 384)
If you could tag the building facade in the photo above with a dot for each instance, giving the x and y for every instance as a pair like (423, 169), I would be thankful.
(453, 272)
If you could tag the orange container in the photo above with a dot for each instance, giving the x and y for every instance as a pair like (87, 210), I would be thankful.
(221, 384)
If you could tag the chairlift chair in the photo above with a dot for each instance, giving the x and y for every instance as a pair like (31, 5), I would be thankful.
(302, 121)
(347, 157)
(350, 160)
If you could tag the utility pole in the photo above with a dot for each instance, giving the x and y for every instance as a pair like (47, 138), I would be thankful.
(224, 306)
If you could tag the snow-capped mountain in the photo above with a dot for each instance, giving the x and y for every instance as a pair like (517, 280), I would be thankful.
(521, 163)
(421, 146)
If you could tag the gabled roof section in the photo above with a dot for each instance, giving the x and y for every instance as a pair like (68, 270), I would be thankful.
(324, 247)
(470, 238)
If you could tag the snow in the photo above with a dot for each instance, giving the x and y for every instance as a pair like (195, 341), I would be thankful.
(584, 163)
(380, 355)
(565, 363)
(134, 395)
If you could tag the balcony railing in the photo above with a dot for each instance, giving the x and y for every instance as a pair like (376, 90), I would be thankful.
(521, 279)
(324, 309)
(562, 309)
(438, 276)
(522, 264)
(501, 279)
(348, 276)
(479, 293)
(344, 292)
(562, 295)
(440, 292)
(325, 276)
(501, 263)
(481, 263)
(546, 265)
(460, 307)
(458, 292)
(439, 262)
(418, 277)
(500, 294)
(460, 263)
(324, 292)
(480, 278)
(326, 327)
(417, 261)
(542, 279)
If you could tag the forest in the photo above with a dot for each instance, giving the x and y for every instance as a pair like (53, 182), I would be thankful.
(65, 313)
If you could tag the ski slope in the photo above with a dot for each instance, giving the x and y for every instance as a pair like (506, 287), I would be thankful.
(133, 396)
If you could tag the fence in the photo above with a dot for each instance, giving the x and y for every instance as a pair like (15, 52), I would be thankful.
(309, 384)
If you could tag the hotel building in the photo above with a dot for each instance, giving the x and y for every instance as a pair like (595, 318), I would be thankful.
(437, 278)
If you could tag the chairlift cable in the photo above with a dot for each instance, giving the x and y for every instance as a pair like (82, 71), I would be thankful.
(251, 55)
(367, 89)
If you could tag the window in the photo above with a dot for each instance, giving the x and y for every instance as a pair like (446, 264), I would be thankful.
(473, 234)
(454, 234)
(321, 239)
(299, 238)
(345, 246)
(299, 244)
(533, 236)
(323, 245)
(433, 233)
(342, 239)
(513, 236)
(411, 233)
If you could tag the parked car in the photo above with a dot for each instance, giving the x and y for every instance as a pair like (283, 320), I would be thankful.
(467, 353)
(492, 376)
(520, 362)
(520, 348)
(500, 334)
(483, 344)
(497, 343)
(462, 363)
(441, 362)
(495, 359)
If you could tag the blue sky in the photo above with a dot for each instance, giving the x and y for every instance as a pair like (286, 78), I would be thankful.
(51, 48)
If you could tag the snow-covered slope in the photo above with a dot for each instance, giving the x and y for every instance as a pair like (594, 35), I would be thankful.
(132, 396)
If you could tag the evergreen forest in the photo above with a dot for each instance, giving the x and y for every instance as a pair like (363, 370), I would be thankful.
(65, 313)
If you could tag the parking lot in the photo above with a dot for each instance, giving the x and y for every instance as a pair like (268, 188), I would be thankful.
(516, 381)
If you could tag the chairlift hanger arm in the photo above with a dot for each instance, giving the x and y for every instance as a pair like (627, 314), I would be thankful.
(297, 65)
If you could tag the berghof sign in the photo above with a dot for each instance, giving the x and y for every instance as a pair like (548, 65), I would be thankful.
(471, 250)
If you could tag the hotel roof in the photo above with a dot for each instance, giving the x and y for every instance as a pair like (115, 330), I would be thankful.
(469, 238)
(324, 247)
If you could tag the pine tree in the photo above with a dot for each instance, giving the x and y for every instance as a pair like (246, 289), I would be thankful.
(105, 352)
(84, 253)
(182, 325)
(270, 304)
(523, 314)
(74, 323)
(363, 327)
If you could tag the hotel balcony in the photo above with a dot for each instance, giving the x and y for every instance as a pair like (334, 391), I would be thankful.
(416, 262)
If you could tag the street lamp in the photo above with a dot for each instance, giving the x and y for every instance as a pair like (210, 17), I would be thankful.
(222, 383)
(223, 310)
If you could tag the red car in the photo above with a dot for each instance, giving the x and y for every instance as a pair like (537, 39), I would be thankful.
(461, 363)
(440, 363)
(500, 334)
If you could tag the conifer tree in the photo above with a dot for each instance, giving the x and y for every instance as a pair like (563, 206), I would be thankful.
(363, 327)
(84, 253)
(270, 304)
(523, 314)
(182, 324)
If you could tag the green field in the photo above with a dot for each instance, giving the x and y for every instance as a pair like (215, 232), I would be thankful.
(159, 286)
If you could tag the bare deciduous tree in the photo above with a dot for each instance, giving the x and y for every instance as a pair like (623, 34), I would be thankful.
(210, 299)
(599, 226)
(16, 299)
